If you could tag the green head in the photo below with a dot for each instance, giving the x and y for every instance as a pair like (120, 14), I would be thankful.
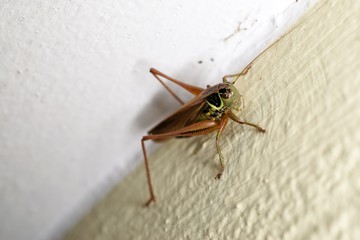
(221, 97)
(230, 96)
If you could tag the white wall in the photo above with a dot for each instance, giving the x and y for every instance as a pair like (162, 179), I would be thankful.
(76, 95)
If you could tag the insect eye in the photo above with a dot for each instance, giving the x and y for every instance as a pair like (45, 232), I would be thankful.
(225, 93)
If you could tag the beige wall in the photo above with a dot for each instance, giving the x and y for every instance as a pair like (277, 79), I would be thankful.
(300, 180)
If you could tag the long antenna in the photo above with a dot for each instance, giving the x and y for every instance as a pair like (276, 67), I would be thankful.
(238, 75)
(236, 79)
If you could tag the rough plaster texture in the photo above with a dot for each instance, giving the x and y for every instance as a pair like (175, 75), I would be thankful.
(76, 95)
(300, 180)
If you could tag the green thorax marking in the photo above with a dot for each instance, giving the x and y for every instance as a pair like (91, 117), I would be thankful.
(216, 108)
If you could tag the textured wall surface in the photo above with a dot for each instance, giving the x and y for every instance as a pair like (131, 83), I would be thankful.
(76, 94)
(300, 180)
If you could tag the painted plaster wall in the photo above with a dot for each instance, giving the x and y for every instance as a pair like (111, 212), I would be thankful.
(300, 180)
(76, 95)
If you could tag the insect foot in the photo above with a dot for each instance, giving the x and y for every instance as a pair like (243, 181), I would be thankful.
(151, 200)
(218, 176)
(262, 130)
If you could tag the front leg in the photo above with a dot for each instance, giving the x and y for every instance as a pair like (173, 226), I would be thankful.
(218, 147)
(243, 72)
(234, 118)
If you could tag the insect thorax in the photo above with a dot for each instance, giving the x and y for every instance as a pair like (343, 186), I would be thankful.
(215, 108)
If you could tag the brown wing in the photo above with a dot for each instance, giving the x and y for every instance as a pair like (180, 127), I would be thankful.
(185, 116)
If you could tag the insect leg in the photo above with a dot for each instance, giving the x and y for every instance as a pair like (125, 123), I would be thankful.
(243, 72)
(253, 125)
(234, 118)
(152, 195)
(218, 147)
(199, 128)
(192, 89)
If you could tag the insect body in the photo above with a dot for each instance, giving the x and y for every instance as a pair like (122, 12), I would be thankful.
(208, 111)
